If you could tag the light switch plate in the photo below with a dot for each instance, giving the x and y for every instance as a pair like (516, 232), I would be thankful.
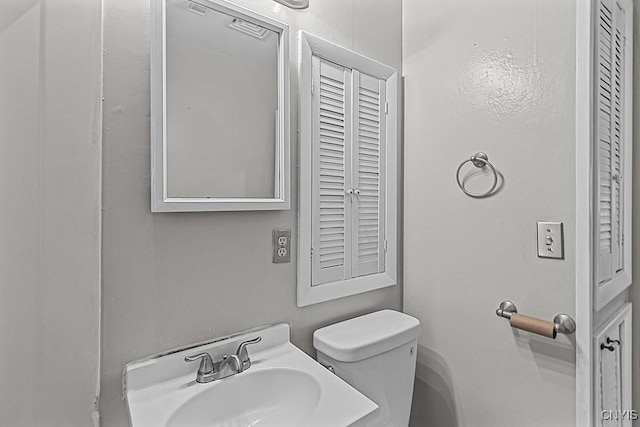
(550, 240)
(281, 246)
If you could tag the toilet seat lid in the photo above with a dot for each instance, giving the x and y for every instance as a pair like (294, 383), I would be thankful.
(366, 336)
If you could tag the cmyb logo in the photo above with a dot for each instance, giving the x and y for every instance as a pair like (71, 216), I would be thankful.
(610, 415)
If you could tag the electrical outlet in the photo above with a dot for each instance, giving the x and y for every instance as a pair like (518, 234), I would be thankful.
(281, 246)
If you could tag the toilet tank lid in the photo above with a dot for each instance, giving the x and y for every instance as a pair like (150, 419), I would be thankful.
(366, 336)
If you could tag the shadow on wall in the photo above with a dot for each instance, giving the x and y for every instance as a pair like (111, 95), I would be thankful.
(551, 356)
(433, 399)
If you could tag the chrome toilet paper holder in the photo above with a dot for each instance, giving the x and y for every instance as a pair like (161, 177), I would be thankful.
(562, 323)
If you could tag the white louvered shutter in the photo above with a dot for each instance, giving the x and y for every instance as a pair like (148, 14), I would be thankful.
(368, 175)
(610, 137)
(331, 172)
(618, 135)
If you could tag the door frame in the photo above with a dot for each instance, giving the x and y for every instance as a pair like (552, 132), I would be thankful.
(584, 204)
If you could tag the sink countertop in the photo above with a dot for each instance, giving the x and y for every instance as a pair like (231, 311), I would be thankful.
(157, 387)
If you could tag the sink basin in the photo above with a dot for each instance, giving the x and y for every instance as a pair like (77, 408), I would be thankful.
(283, 388)
(277, 397)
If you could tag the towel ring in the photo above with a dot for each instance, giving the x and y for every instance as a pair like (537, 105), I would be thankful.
(479, 160)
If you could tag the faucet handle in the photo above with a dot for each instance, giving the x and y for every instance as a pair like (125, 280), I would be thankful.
(242, 353)
(206, 365)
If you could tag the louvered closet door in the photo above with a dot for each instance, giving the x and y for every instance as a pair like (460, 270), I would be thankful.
(368, 175)
(331, 206)
(610, 133)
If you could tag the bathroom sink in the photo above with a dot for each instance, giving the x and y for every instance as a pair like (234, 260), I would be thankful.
(277, 397)
(283, 388)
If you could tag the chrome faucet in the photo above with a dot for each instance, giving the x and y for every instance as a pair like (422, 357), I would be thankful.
(229, 364)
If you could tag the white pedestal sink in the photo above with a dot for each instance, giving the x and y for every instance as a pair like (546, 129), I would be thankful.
(283, 388)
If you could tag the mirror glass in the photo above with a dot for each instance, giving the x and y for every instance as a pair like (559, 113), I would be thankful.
(223, 112)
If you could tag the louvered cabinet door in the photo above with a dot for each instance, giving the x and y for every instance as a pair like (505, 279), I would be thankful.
(613, 350)
(609, 379)
(612, 144)
(604, 126)
(347, 211)
(331, 140)
(368, 175)
(617, 135)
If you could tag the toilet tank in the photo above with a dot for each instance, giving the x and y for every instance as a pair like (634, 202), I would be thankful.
(376, 354)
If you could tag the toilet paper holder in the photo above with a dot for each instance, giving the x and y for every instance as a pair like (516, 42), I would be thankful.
(562, 323)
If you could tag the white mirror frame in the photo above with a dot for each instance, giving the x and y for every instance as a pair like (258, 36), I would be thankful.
(160, 202)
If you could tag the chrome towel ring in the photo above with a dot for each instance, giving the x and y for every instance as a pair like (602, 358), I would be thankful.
(479, 160)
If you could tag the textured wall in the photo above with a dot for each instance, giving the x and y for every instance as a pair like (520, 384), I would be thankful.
(50, 125)
(175, 279)
(495, 76)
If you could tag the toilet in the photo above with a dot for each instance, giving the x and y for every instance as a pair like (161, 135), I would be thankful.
(375, 354)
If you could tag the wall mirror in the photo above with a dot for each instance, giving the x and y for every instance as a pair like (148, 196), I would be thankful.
(219, 108)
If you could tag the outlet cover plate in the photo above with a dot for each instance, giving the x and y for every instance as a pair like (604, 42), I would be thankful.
(281, 245)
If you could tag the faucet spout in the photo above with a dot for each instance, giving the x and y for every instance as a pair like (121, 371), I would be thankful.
(229, 365)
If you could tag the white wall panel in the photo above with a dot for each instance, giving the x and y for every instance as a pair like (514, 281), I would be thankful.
(50, 187)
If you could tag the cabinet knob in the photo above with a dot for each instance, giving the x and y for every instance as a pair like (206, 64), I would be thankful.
(610, 341)
(608, 347)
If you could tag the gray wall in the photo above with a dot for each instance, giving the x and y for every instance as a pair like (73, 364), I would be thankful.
(635, 288)
(50, 127)
(495, 76)
(174, 279)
